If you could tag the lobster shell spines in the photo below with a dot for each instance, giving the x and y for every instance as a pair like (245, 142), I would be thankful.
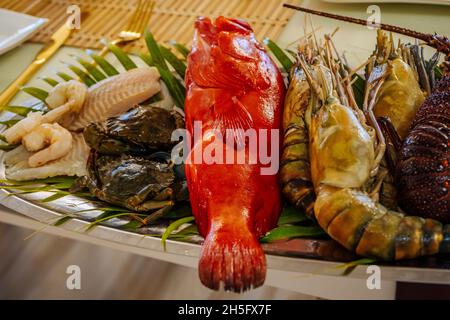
(423, 171)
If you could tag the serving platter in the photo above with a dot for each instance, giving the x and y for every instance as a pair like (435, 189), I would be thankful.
(297, 255)
(301, 256)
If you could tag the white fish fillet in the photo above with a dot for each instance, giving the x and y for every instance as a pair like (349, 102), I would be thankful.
(115, 95)
(72, 164)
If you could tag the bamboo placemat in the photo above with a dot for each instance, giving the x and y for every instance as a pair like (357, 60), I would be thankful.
(170, 20)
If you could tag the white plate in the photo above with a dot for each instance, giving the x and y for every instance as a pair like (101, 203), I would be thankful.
(15, 28)
(441, 2)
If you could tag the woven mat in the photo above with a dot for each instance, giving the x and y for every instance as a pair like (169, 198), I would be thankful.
(170, 20)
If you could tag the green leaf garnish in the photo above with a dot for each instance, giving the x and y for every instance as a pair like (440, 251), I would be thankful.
(147, 59)
(173, 60)
(36, 92)
(289, 232)
(358, 89)
(350, 266)
(356, 263)
(54, 197)
(132, 225)
(438, 73)
(50, 81)
(104, 65)
(282, 57)
(84, 77)
(62, 220)
(9, 123)
(291, 215)
(172, 227)
(109, 217)
(123, 58)
(64, 76)
(21, 111)
(91, 69)
(182, 49)
(7, 147)
(175, 88)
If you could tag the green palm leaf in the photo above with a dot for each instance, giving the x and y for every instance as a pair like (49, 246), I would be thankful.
(50, 81)
(84, 77)
(36, 92)
(104, 65)
(91, 69)
(123, 58)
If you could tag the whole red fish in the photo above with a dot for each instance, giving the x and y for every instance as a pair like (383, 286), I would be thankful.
(232, 83)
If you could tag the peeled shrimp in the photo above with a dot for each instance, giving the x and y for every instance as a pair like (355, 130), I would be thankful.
(14, 134)
(52, 140)
(71, 93)
(66, 100)
(72, 164)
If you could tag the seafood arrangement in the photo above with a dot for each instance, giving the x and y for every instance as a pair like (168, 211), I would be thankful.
(334, 150)
(371, 171)
(47, 139)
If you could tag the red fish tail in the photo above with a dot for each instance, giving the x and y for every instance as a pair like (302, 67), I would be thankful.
(237, 262)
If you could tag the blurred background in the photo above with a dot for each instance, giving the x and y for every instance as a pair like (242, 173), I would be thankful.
(33, 266)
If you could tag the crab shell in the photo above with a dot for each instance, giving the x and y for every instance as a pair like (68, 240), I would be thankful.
(132, 182)
(139, 131)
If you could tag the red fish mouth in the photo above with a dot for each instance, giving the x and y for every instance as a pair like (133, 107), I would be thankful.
(209, 30)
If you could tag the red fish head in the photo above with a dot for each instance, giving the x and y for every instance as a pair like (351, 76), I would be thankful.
(226, 55)
(229, 75)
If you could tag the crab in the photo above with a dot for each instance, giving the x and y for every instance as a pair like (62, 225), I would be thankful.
(126, 166)
(139, 131)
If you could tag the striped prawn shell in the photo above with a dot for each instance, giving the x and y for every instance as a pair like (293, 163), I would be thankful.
(423, 170)
(357, 222)
(295, 169)
(115, 95)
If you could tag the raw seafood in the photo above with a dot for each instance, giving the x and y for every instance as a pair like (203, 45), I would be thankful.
(394, 84)
(64, 101)
(51, 141)
(132, 182)
(68, 97)
(138, 131)
(423, 171)
(72, 164)
(232, 83)
(345, 153)
(115, 95)
(295, 171)
(123, 167)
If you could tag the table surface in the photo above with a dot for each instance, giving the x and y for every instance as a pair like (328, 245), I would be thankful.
(356, 41)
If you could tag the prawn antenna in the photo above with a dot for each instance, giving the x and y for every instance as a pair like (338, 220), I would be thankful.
(439, 42)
